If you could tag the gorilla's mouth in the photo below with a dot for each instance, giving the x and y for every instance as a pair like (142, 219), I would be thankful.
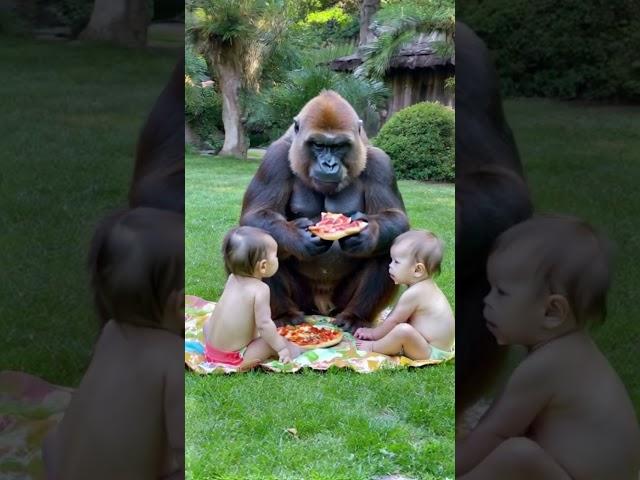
(325, 186)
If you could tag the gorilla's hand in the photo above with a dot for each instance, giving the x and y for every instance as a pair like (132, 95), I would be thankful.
(359, 216)
(363, 243)
(310, 245)
(349, 322)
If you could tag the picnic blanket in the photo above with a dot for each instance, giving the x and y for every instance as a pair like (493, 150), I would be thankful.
(343, 355)
(29, 408)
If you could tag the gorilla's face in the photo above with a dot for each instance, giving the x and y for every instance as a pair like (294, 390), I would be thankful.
(328, 149)
(328, 155)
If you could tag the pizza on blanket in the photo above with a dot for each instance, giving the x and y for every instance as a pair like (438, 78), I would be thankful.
(307, 336)
(334, 226)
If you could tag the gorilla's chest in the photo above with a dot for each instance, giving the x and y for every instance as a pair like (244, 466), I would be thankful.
(308, 203)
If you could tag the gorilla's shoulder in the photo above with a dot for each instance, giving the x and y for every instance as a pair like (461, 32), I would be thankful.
(379, 165)
(275, 163)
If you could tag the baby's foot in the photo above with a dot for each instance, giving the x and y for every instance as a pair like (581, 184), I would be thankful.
(365, 345)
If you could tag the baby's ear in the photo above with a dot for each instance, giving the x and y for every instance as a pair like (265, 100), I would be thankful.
(420, 269)
(557, 311)
(262, 266)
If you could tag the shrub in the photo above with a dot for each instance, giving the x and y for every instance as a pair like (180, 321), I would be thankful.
(581, 49)
(203, 112)
(420, 141)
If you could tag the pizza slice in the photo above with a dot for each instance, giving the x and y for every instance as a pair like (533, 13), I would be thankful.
(334, 226)
(308, 336)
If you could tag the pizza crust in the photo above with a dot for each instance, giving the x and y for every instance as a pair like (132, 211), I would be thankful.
(328, 343)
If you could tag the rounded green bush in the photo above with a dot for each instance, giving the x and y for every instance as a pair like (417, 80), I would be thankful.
(420, 141)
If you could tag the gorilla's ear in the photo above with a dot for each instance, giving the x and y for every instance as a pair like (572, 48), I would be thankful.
(359, 126)
(296, 125)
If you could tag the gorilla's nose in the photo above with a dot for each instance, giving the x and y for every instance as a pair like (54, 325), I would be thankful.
(330, 165)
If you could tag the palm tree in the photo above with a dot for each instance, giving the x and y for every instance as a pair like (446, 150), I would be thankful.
(234, 37)
(120, 21)
(400, 26)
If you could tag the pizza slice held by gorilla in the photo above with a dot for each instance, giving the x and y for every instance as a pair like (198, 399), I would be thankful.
(324, 163)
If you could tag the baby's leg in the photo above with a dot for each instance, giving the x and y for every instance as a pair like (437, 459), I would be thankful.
(257, 352)
(403, 338)
(519, 458)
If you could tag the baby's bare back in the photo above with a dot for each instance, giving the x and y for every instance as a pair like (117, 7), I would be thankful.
(433, 316)
(116, 424)
(589, 425)
(232, 325)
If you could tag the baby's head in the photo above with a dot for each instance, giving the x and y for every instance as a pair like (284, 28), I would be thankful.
(549, 276)
(250, 252)
(415, 255)
(137, 268)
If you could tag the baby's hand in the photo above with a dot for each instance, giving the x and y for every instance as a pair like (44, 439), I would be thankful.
(295, 350)
(284, 355)
(365, 334)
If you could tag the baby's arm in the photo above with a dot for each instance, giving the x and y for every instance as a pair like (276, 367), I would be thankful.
(511, 415)
(264, 323)
(402, 312)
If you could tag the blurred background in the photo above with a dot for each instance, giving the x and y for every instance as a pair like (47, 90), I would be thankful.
(78, 81)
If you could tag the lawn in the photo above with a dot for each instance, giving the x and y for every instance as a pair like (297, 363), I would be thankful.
(347, 425)
(71, 113)
(584, 160)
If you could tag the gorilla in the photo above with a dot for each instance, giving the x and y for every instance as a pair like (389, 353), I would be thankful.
(325, 163)
(491, 196)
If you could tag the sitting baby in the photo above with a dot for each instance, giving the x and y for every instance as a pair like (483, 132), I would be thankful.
(126, 418)
(240, 332)
(564, 413)
(421, 325)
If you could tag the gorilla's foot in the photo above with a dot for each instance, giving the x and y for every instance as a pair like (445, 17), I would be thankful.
(350, 322)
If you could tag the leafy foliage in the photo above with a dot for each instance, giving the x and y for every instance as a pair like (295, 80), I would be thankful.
(398, 23)
(420, 141)
(570, 49)
(326, 27)
(272, 112)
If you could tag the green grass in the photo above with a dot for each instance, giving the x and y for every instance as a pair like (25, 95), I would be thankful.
(584, 160)
(71, 113)
(349, 425)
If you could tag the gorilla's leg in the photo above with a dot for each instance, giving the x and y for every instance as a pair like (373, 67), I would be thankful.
(289, 295)
(362, 295)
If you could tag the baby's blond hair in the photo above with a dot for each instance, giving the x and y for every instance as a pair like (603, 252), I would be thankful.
(573, 259)
(424, 247)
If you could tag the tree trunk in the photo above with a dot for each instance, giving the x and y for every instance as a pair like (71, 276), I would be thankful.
(368, 9)
(123, 22)
(235, 139)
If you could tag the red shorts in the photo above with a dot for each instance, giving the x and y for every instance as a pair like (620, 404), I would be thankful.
(214, 355)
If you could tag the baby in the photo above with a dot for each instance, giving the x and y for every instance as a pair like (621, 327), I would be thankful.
(126, 419)
(564, 413)
(240, 332)
(421, 325)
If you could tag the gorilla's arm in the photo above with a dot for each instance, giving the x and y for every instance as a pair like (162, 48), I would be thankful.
(265, 205)
(384, 208)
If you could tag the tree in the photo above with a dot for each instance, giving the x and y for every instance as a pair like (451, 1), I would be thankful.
(235, 37)
(368, 9)
(124, 22)
(398, 24)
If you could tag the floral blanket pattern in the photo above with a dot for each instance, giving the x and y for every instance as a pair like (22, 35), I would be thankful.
(29, 408)
(343, 355)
